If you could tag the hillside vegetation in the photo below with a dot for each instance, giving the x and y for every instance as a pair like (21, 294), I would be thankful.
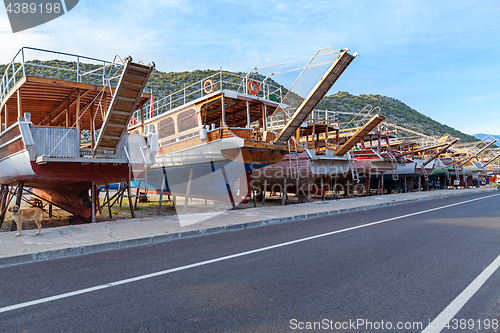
(162, 84)
(394, 110)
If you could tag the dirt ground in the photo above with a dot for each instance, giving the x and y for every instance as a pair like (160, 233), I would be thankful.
(149, 209)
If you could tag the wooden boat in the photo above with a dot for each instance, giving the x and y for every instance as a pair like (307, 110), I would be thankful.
(416, 164)
(220, 132)
(331, 160)
(305, 173)
(43, 121)
(463, 171)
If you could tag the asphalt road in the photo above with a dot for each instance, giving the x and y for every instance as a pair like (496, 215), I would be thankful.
(360, 272)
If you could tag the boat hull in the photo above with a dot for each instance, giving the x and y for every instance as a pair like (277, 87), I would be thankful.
(301, 174)
(214, 170)
(49, 160)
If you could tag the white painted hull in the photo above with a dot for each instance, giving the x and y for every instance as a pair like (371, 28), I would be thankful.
(16, 166)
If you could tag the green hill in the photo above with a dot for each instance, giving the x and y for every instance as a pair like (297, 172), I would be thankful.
(163, 84)
(394, 110)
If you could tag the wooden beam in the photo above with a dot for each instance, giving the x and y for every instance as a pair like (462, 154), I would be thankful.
(82, 108)
(121, 113)
(6, 116)
(77, 120)
(116, 125)
(61, 83)
(248, 114)
(47, 118)
(68, 123)
(13, 91)
(105, 104)
(92, 134)
(71, 105)
(64, 102)
(264, 122)
(19, 105)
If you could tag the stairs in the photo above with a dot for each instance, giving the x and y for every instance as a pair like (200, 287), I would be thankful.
(353, 140)
(315, 96)
(126, 97)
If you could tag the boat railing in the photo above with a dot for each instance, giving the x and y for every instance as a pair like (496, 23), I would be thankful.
(59, 142)
(221, 80)
(324, 117)
(58, 65)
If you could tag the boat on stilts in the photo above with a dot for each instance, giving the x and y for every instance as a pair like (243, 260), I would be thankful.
(214, 132)
(463, 168)
(334, 159)
(63, 127)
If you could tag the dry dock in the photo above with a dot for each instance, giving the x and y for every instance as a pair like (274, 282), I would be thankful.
(76, 240)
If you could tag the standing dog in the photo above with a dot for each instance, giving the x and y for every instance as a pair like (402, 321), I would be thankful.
(23, 214)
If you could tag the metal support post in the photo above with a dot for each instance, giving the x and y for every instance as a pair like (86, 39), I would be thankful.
(188, 190)
(107, 198)
(132, 212)
(283, 199)
(20, 186)
(322, 190)
(264, 192)
(93, 200)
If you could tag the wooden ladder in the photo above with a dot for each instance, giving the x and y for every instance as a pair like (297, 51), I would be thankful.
(127, 95)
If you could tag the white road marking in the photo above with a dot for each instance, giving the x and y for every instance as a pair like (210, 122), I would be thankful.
(451, 310)
(207, 262)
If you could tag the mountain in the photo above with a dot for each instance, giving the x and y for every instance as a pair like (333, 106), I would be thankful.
(394, 110)
(482, 136)
(163, 84)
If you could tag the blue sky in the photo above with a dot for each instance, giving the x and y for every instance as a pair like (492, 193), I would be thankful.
(441, 58)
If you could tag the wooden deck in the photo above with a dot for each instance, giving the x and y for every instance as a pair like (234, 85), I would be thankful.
(57, 103)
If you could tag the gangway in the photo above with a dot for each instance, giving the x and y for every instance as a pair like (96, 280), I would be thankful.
(420, 150)
(127, 95)
(436, 155)
(479, 152)
(360, 134)
(491, 160)
(315, 96)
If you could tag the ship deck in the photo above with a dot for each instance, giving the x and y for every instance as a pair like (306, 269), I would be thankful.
(57, 103)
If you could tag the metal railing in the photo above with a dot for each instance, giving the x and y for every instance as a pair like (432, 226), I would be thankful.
(27, 62)
(329, 117)
(221, 80)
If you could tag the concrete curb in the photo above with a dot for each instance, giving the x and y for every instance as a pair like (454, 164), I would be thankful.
(95, 248)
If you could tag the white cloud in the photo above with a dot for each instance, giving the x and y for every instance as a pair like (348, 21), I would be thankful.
(441, 54)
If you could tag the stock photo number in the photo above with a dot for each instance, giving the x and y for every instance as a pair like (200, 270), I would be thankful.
(33, 8)
(26, 15)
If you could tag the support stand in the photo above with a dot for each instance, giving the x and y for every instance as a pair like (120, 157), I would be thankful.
(283, 199)
(4, 192)
(264, 192)
(132, 212)
(19, 192)
(109, 207)
(228, 186)
(188, 190)
(93, 199)
(253, 195)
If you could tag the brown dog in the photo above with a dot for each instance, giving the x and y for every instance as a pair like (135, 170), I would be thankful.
(25, 214)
